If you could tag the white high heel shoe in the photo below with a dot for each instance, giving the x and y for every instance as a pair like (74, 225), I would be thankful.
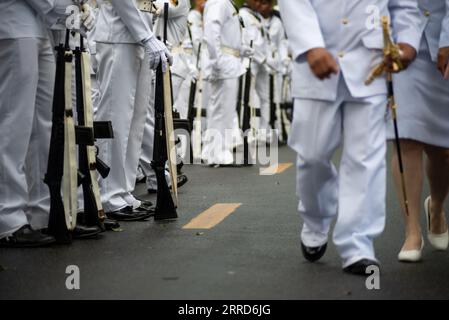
(438, 241)
(411, 255)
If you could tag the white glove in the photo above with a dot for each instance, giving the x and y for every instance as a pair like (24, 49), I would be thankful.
(272, 64)
(193, 72)
(246, 51)
(286, 66)
(157, 53)
(87, 17)
(157, 10)
(215, 73)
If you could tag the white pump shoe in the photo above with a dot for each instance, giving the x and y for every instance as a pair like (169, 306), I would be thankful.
(411, 255)
(438, 241)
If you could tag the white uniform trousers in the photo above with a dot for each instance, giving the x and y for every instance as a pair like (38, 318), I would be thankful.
(124, 78)
(221, 121)
(263, 93)
(355, 195)
(181, 92)
(27, 70)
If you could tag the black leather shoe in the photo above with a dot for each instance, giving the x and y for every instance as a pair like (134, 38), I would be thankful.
(313, 254)
(111, 225)
(359, 267)
(146, 205)
(85, 232)
(141, 180)
(182, 180)
(26, 237)
(128, 214)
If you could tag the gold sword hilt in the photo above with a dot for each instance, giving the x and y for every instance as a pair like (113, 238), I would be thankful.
(390, 50)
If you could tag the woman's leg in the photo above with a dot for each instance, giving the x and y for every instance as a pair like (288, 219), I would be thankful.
(412, 155)
(437, 168)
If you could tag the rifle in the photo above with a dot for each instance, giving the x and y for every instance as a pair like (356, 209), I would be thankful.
(191, 111)
(285, 121)
(391, 50)
(246, 124)
(59, 223)
(89, 163)
(164, 149)
(193, 89)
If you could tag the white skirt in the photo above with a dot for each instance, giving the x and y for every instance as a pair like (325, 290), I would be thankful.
(422, 96)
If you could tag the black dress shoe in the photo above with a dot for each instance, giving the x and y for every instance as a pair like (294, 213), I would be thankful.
(182, 180)
(359, 267)
(130, 214)
(141, 180)
(313, 254)
(111, 225)
(26, 237)
(146, 205)
(85, 232)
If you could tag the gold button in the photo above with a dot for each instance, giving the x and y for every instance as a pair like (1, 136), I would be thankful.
(341, 54)
(427, 13)
(345, 21)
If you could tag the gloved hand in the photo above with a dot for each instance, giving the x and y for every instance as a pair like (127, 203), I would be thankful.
(157, 10)
(286, 66)
(272, 64)
(215, 73)
(193, 72)
(87, 17)
(246, 51)
(157, 53)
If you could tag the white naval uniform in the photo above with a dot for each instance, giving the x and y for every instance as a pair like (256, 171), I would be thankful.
(176, 29)
(276, 47)
(222, 66)
(181, 49)
(195, 19)
(422, 94)
(342, 109)
(254, 32)
(27, 72)
(124, 77)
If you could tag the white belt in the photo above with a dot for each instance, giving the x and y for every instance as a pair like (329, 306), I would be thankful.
(231, 51)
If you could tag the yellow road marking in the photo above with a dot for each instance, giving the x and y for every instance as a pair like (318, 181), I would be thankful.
(212, 216)
(275, 169)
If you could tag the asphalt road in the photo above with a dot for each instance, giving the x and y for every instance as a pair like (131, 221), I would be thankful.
(252, 254)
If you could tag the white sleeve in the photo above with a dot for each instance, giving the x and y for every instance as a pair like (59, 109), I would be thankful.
(311, 36)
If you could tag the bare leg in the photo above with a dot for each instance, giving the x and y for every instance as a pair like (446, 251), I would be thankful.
(412, 156)
(437, 168)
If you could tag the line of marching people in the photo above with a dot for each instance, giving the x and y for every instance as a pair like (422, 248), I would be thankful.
(208, 48)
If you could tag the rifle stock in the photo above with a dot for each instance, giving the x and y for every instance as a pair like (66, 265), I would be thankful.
(57, 226)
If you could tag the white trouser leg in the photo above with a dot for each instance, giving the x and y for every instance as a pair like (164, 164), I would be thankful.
(179, 102)
(124, 78)
(19, 70)
(37, 158)
(220, 121)
(263, 93)
(315, 135)
(357, 193)
(361, 209)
